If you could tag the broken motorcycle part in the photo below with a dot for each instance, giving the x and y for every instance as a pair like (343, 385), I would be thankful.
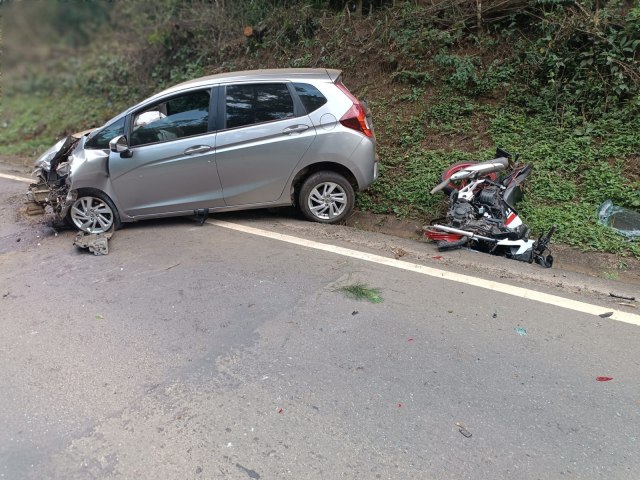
(482, 215)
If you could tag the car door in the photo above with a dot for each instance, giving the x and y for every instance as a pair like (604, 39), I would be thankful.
(265, 135)
(171, 168)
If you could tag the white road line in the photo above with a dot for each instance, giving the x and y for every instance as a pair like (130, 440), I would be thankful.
(19, 179)
(547, 298)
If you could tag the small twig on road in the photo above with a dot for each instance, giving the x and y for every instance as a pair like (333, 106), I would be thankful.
(627, 304)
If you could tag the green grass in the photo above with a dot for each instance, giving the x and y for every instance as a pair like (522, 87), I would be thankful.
(574, 171)
(32, 122)
(361, 291)
(441, 95)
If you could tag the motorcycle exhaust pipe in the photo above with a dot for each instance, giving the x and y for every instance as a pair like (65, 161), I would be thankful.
(464, 233)
(444, 246)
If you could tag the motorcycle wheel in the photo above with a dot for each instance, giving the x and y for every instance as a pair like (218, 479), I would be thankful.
(455, 168)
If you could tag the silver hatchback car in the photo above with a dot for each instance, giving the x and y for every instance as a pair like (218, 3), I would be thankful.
(232, 141)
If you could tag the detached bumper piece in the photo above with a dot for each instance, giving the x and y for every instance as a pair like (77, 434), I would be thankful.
(97, 243)
(37, 197)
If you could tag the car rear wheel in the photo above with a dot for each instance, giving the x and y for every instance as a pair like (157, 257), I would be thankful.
(93, 213)
(326, 197)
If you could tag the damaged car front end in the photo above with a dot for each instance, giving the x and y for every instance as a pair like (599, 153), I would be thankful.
(55, 189)
(51, 189)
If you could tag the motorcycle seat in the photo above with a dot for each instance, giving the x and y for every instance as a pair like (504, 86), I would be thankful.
(474, 171)
(483, 168)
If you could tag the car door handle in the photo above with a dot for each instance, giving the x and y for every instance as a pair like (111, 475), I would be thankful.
(295, 129)
(197, 149)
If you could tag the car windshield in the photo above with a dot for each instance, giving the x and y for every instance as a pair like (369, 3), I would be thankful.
(99, 139)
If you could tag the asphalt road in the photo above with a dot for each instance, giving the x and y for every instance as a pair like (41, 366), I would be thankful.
(203, 352)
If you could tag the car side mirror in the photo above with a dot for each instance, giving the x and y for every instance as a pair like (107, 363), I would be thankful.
(121, 146)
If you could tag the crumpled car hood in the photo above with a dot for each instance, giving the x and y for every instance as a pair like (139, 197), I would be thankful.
(58, 150)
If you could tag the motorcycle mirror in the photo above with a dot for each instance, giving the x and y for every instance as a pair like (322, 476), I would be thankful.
(440, 186)
(543, 261)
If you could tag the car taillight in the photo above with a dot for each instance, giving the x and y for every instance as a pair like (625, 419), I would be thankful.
(355, 117)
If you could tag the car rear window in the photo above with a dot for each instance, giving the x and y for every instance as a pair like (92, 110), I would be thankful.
(249, 104)
(310, 96)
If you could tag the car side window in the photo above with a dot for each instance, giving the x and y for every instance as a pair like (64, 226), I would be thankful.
(310, 96)
(101, 138)
(182, 116)
(264, 102)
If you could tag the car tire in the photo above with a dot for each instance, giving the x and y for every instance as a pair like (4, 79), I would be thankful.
(93, 212)
(326, 197)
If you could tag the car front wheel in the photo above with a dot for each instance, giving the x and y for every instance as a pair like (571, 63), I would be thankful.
(326, 197)
(93, 213)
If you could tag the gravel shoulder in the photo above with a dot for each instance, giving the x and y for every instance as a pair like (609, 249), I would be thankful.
(591, 272)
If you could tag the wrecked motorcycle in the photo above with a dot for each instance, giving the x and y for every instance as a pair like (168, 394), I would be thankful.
(482, 211)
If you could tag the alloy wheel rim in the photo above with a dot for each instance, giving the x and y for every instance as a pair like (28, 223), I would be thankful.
(92, 215)
(327, 200)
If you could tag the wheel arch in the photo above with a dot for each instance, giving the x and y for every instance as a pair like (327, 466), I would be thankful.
(89, 190)
(309, 170)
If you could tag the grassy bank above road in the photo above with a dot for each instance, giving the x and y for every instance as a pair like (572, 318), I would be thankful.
(557, 83)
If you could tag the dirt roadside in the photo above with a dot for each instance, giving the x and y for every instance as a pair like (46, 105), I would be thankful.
(624, 271)
(595, 264)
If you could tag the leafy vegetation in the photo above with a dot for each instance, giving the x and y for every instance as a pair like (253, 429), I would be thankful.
(556, 81)
(361, 291)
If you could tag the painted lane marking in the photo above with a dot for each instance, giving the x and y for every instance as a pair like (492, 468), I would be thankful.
(19, 179)
(547, 298)
(536, 296)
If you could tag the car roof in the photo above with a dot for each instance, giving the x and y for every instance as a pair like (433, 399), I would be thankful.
(257, 75)
(243, 76)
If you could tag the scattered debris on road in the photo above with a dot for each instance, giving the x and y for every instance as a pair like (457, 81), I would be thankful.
(97, 243)
(623, 297)
(521, 331)
(463, 430)
(604, 379)
(605, 314)
(252, 473)
(99, 317)
(398, 252)
(627, 304)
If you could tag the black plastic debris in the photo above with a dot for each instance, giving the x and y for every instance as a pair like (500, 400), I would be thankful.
(463, 430)
(623, 297)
